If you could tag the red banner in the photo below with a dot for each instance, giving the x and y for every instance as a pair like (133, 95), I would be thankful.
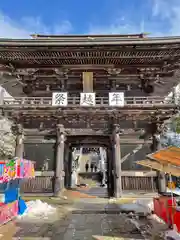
(8, 211)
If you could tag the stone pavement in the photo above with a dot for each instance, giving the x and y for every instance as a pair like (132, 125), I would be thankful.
(85, 219)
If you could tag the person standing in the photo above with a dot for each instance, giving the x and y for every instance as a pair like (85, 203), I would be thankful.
(87, 167)
(92, 167)
(95, 168)
(101, 175)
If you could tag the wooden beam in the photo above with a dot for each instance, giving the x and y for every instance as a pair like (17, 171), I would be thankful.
(124, 173)
(139, 173)
(80, 66)
(87, 78)
(74, 57)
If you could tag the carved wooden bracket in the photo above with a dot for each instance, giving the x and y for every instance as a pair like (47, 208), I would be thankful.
(26, 72)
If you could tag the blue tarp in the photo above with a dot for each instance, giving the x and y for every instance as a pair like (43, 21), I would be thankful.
(12, 191)
(11, 194)
(21, 206)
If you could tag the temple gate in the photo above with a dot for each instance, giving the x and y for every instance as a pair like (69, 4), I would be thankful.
(70, 91)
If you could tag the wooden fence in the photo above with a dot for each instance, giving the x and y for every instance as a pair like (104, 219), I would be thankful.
(134, 183)
(44, 184)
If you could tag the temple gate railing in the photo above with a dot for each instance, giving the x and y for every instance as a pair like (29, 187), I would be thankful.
(100, 101)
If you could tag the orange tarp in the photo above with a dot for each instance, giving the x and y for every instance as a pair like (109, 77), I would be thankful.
(160, 167)
(170, 155)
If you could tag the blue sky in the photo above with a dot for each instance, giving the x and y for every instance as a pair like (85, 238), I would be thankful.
(20, 18)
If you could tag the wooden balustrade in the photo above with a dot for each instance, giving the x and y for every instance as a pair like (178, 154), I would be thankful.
(100, 101)
(44, 184)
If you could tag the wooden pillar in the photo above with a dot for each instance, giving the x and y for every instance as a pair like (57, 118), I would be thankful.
(70, 166)
(102, 167)
(87, 82)
(117, 164)
(174, 96)
(19, 149)
(161, 179)
(2, 92)
(66, 168)
(59, 173)
(134, 124)
(110, 175)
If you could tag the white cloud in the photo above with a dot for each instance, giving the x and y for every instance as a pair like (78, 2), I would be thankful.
(118, 27)
(165, 20)
(128, 24)
(29, 25)
(169, 12)
(126, 27)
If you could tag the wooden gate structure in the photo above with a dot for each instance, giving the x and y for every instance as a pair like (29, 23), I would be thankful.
(136, 71)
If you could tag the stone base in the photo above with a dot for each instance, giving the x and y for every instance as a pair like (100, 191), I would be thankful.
(58, 186)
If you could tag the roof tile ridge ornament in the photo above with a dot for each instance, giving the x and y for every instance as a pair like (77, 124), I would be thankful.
(34, 36)
(90, 36)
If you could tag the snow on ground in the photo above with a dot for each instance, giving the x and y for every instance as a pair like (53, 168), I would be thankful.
(156, 218)
(140, 206)
(175, 191)
(172, 234)
(38, 210)
(150, 225)
(146, 203)
(2, 198)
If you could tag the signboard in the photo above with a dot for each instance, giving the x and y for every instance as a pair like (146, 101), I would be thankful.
(88, 99)
(59, 99)
(116, 99)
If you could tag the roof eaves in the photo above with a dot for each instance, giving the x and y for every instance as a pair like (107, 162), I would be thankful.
(50, 42)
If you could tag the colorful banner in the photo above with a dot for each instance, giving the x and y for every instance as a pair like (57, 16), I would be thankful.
(16, 168)
(8, 211)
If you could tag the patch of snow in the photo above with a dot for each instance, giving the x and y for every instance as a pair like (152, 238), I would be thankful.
(140, 206)
(147, 203)
(135, 208)
(157, 219)
(172, 234)
(112, 200)
(38, 209)
(2, 199)
(175, 191)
